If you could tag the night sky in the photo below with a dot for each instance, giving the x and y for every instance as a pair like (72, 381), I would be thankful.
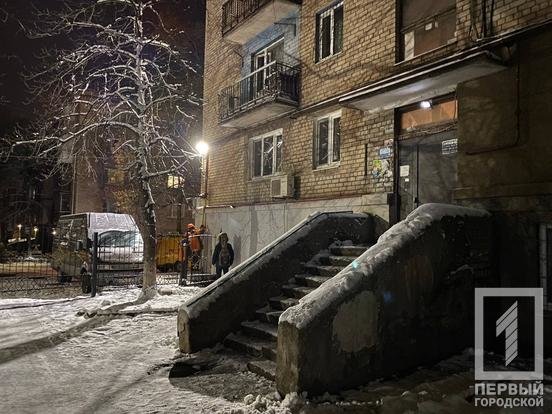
(18, 54)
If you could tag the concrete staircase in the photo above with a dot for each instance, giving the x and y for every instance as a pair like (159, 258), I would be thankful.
(259, 337)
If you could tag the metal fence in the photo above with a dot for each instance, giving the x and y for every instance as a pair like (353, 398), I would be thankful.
(109, 259)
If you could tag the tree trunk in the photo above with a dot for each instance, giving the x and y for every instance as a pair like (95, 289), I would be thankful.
(149, 234)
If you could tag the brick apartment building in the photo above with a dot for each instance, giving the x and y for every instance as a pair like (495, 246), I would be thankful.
(380, 106)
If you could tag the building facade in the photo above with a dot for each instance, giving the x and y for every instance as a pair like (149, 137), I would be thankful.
(380, 106)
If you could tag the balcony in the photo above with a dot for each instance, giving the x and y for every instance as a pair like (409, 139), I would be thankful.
(244, 19)
(266, 93)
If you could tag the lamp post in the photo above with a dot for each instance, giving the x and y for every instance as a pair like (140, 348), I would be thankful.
(203, 149)
(35, 231)
(19, 230)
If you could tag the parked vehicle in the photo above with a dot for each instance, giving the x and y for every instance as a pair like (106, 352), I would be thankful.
(120, 248)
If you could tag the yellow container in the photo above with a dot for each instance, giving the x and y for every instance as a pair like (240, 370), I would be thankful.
(169, 252)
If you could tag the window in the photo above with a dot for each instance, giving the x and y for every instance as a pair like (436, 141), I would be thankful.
(329, 31)
(174, 211)
(327, 140)
(115, 176)
(175, 181)
(428, 113)
(262, 65)
(425, 25)
(65, 203)
(267, 154)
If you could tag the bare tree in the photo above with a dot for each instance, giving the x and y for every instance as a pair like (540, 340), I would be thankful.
(111, 93)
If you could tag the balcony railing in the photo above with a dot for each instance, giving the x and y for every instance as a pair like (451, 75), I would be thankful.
(273, 82)
(235, 12)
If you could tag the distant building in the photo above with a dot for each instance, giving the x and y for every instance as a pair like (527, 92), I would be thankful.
(380, 106)
(30, 206)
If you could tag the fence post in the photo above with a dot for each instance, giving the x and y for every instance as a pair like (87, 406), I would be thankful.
(94, 263)
(184, 263)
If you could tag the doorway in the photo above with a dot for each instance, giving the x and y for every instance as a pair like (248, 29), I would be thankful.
(426, 163)
(427, 170)
(262, 66)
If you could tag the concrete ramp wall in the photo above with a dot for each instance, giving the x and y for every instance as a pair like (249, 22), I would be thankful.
(406, 301)
(220, 308)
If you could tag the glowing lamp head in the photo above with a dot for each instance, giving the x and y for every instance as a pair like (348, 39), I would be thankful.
(202, 148)
(425, 104)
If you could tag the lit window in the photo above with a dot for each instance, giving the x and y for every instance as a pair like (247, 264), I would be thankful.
(438, 112)
(267, 154)
(426, 25)
(175, 181)
(115, 176)
(329, 31)
(327, 145)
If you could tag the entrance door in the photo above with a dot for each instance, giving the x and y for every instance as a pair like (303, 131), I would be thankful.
(427, 170)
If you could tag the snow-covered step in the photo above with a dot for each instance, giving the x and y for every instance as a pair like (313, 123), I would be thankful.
(264, 368)
(253, 346)
(340, 260)
(348, 250)
(260, 329)
(282, 302)
(296, 291)
(267, 314)
(311, 280)
(328, 271)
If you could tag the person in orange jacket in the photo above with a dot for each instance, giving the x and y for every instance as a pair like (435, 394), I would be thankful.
(193, 240)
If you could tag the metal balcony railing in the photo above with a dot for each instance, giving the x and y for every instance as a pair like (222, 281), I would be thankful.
(236, 11)
(273, 81)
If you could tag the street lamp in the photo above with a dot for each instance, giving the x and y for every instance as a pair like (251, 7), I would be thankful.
(19, 231)
(35, 229)
(203, 149)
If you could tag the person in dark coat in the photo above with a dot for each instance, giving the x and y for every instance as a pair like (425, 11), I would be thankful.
(223, 255)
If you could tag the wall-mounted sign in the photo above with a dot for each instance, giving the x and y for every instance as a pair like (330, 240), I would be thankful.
(404, 170)
(449, 146)
(381, 169)
(385, 152)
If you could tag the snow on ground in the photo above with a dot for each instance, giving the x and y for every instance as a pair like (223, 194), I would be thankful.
(22, 320)
(110, 354)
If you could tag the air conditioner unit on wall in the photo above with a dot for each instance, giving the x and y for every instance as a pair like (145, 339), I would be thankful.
(282, 186)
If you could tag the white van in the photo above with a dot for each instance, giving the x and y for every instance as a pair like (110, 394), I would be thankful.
(120, 248)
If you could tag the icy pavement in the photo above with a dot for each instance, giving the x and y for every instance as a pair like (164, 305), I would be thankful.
(110, 354)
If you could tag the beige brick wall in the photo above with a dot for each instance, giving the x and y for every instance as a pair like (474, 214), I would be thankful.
(229, 172)
(369, 53)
